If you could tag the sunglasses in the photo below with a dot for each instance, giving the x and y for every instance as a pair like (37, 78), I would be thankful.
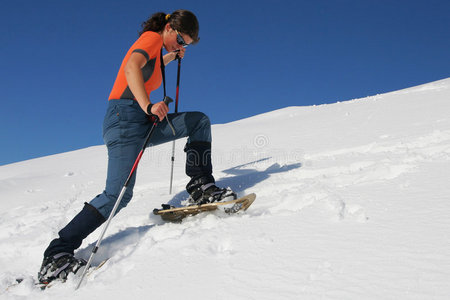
(180, 40)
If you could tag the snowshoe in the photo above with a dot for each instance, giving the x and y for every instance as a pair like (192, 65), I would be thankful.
(177, 214)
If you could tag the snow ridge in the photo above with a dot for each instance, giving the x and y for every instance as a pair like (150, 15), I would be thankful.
(352, 203)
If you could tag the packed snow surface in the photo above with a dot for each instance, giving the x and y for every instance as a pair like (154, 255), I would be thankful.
(353, 202)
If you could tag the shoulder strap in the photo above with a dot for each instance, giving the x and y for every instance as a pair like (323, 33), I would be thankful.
(163, 72)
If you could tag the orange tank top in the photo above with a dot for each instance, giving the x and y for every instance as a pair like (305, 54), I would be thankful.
(149, 44)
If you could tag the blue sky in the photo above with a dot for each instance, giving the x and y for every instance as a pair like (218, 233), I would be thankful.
(59, 60)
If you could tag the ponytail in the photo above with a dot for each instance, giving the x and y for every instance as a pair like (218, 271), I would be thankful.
(156, 23)
(182, 20)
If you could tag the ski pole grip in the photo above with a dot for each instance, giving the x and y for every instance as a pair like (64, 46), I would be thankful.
(167, 100)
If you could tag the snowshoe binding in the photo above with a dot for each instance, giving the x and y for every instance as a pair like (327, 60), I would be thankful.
(209, 193)
(58, 267)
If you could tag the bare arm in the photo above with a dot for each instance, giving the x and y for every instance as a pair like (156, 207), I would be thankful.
(169, 57)
(135, 81)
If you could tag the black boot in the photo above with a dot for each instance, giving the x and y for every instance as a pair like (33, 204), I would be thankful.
(71, 236)
(203, 190)
(59, 266)
(201, 187)
(58, 257)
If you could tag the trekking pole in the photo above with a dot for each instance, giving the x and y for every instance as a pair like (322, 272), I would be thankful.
(176, 111)
(166, 100)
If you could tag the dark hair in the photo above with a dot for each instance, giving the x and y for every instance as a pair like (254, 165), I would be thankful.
(182, 20)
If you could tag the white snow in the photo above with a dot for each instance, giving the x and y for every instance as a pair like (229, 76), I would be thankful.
(353, 202)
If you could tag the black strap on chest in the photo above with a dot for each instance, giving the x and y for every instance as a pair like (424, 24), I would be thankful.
(163, 72)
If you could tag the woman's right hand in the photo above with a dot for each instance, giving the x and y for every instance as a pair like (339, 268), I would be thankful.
(159, 109)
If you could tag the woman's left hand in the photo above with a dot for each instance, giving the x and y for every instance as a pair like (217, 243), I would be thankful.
(180, 53)
(171, 56)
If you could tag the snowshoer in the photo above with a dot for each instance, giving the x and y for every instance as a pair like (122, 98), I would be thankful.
(125, 125)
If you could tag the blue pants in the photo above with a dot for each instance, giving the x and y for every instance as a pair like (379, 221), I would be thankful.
(124, 130)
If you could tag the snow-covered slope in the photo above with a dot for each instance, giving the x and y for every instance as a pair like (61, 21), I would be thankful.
(353, 203)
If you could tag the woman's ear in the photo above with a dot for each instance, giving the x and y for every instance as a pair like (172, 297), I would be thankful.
(168, 27)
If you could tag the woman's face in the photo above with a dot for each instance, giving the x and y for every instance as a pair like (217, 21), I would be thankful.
(170, 39)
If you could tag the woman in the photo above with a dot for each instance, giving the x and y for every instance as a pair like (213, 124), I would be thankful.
(125, 126)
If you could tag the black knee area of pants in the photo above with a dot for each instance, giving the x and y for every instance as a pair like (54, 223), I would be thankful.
(73, 234)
